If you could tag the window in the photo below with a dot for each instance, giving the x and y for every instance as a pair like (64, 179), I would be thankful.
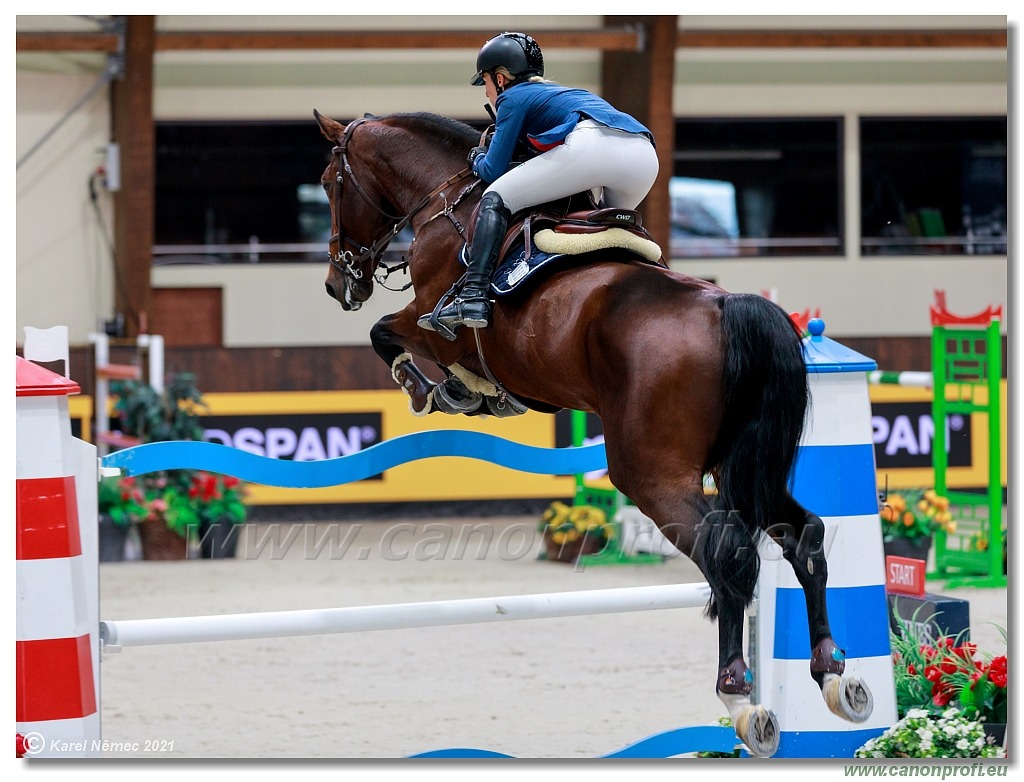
(244, 192)
(757, 187)
(239, 192)
(933, 186)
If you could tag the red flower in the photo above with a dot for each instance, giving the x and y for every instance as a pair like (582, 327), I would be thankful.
(941, 695)
(204, 487)
(933, 673)
(997, 671)
(966, 651)
(230, 482)
(949, 665)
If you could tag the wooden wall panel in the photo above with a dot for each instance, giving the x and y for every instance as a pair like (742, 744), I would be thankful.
(188, 317)
(360, 369)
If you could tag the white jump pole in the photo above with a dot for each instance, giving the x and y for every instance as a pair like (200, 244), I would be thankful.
(912, 379)
(277, 624)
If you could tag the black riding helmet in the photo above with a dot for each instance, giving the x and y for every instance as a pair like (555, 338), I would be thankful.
(516, 51)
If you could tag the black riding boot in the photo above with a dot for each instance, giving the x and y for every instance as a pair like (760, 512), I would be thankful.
(472, 306)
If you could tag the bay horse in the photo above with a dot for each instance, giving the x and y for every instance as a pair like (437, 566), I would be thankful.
(686, 378)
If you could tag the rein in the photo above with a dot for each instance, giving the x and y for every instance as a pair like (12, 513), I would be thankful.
(347, 261)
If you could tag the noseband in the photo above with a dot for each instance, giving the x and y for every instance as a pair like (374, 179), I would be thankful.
(350, 262)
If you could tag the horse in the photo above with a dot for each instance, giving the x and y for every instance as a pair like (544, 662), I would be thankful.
(687, 378)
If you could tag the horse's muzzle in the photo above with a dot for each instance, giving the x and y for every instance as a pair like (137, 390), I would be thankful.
(352, 295)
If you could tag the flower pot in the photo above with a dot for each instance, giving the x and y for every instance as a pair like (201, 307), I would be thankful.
(570, 551)
(997, 730)
(159, 542)
(113, 538)
(912, 548)
(219, 539)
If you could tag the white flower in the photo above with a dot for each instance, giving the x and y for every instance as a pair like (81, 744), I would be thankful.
(963, 744)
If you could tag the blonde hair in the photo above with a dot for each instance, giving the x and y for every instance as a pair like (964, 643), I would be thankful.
(512, 79)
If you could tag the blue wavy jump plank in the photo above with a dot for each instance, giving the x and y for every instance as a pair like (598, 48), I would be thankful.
(671, 743)
(253, 468)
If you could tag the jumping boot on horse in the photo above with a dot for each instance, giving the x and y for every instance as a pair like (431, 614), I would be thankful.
(472, 305)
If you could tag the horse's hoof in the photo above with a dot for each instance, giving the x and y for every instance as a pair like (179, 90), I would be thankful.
(848, 697)
(759, 730)
(454, 398)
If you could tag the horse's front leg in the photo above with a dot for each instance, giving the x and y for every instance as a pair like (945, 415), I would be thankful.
(396, 338)
(804, 548)
(388, 345)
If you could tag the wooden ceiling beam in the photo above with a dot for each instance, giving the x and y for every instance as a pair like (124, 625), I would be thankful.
(620, 39)
(611, 39)
(841, 39)
(608, 39)
(67, 42)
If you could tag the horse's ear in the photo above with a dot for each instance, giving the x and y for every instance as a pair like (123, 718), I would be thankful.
(331, 129)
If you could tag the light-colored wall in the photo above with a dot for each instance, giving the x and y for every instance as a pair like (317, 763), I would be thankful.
(63, 261)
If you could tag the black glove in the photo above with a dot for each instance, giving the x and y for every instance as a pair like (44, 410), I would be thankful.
(474, 153)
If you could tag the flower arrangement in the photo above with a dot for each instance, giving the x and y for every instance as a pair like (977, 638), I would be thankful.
(217, 497)
(924, 734)
(915, 515)
(935, 675)
(167, 499)
(566, 524)
(158, 416)
(573, 530)
(123, 499)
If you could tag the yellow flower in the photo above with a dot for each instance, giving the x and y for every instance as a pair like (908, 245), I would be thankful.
(556, 511)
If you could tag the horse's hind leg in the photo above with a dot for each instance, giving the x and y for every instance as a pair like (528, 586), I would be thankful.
(755, 725)
(804, 548)
(693, 517)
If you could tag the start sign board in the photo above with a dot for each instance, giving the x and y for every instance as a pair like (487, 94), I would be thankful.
(904, 576)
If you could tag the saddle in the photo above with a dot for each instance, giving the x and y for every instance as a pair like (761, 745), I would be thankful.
(552, 234)
(561, 231)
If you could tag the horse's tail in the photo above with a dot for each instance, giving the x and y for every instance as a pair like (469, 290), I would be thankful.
(766, 400)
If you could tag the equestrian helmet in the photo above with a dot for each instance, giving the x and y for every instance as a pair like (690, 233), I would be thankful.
(518, 52)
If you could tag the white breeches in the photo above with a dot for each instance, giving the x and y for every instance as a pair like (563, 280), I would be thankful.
(593, 156)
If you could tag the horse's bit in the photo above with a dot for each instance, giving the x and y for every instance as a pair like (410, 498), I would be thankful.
(348, 262)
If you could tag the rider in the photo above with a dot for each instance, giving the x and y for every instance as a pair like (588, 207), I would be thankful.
(581, 141)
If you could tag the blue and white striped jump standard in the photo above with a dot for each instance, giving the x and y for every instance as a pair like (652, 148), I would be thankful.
(834, 477)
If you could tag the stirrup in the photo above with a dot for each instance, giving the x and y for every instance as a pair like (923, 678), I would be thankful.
(431, 322)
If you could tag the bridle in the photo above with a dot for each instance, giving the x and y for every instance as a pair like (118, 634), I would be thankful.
(350, 262)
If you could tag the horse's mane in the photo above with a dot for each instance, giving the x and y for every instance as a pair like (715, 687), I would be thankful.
(447, 131)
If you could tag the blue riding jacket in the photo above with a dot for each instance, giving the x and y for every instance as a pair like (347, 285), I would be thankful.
(542, 114)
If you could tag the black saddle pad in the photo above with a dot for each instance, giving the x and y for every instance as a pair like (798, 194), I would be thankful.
(515, 268)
